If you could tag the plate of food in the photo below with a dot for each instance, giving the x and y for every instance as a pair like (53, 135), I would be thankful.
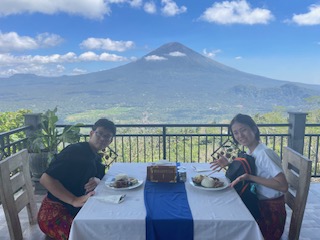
(209, 183)
(123, 182)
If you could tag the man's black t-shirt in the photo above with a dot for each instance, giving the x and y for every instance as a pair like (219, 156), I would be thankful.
(73, 167)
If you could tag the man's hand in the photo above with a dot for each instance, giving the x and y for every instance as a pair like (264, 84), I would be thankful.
(59, 191)
(80, 201)
(91, 184)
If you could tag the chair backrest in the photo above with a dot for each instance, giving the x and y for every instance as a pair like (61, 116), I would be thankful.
(16, 191)
(297, 169)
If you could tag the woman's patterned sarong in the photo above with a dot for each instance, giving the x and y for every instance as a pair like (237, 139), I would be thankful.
(54, 219)
(273, 218)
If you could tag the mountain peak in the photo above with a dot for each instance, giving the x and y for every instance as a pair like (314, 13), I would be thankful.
(172, 49)
(178, 57)
(172, 46)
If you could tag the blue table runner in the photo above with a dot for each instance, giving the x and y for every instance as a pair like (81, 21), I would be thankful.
(168, 212)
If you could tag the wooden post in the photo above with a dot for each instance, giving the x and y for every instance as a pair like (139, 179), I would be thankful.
(297, 127)
(32, 119)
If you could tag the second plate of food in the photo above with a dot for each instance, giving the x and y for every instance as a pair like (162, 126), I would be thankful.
(211, 184)
(130, 183)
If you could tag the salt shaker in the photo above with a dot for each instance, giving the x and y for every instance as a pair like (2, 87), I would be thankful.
(182, 175)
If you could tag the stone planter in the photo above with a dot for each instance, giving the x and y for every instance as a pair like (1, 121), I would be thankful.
(38, 163)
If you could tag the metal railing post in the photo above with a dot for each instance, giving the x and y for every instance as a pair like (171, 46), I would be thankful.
(164, 142)
(2, 153)
(297, 125)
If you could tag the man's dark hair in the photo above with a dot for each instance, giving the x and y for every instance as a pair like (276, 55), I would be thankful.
(105, 123)
(246, 120)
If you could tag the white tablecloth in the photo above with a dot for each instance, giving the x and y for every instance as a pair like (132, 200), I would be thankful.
(216, 214)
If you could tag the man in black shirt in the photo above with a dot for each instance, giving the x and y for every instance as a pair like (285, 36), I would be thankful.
(71, 179)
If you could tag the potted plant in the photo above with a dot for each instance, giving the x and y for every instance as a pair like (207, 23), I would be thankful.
(44, 143)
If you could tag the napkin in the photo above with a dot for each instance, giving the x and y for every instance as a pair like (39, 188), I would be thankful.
(111, 198)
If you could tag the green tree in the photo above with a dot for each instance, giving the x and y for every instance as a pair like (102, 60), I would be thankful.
(12, 120)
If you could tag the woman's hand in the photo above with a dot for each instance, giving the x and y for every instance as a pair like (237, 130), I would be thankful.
(243, 177)
(279, 182)
(91, 184)
(221, 162)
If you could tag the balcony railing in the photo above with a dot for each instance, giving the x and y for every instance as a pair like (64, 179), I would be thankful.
(179, 142)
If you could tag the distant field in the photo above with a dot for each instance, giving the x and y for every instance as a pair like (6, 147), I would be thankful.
(91, 116)
(142, 115)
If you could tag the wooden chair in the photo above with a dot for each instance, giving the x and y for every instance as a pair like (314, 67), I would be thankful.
(297, 169)
(16, 191)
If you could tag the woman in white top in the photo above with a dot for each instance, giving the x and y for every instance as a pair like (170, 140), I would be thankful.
(270, 180)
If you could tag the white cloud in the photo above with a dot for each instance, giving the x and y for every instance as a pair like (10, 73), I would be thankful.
(9, 72)
(132, 3)
(112, 58)
(78, 71)
(94, 9)
(238, 58)
(177, 54)
(68, 57)
(107, 44)
(13, 42)
(211, 54)
(9, 59)
(133, 59)
(135, 3)
(150, 7)
(236, 12)
(32, 69)
(310, 18)
(170, 8)
(89, 56)
(155, 58)
(48, 40)
(60, 68)
(117, 1)
(42, 65)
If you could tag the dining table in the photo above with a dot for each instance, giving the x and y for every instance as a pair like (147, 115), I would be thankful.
(215, 213)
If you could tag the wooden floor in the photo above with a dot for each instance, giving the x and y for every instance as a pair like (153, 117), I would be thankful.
(310, 226)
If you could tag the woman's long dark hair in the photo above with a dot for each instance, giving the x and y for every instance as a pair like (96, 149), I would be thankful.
(246, 120)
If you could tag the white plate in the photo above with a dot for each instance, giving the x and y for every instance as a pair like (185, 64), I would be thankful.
(225, 181)
(125, 188)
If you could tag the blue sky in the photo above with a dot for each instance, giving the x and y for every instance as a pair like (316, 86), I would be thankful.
(279, 39)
